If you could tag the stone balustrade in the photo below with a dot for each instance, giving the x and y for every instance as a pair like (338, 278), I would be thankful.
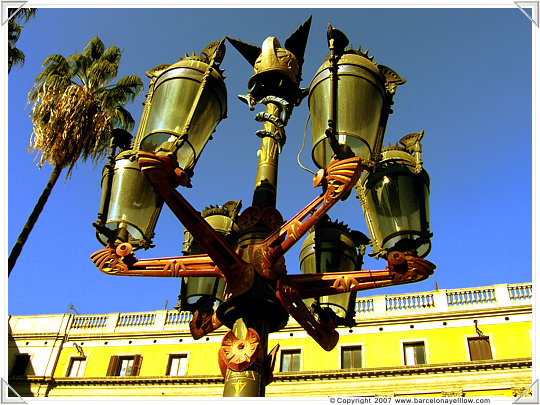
(500, 295)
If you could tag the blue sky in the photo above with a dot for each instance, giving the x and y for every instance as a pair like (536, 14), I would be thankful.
(469, 86)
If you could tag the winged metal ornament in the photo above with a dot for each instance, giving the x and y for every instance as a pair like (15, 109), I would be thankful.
(295, 44)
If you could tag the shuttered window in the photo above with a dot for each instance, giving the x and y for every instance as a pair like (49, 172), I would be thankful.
(76, 367)
(415, 353)
(480, 348)
(351, 357)
(125, 366)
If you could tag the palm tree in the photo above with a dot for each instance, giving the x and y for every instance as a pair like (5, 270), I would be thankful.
(15, 55)
(75, 108)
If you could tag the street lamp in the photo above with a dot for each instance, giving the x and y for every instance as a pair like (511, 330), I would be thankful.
(233, 267)
(333, 247)
(395, 200)
(129, 207)
(202, 293)
(184, 104)
(349, 102)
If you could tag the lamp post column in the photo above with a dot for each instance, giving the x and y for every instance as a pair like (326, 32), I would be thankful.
(258, 312)
(250, 331)
(265, 191)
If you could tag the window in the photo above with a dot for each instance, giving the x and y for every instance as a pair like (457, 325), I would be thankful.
(351, 357)
(177, 365)
(76, 367)
(21, 364)
(479, 348)
(290, 361)
(125, 366)
(415, 353)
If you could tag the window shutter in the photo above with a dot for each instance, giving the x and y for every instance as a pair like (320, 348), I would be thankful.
(136, 365)
(113, 366)
(480, 349)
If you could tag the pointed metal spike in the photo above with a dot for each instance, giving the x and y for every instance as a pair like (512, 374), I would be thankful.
(249, 52)
(297, 41)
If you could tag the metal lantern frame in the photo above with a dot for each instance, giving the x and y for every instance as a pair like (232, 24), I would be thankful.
(328, 248)
(208, 291)
(410, 231)
(260, 294)
(119, 171)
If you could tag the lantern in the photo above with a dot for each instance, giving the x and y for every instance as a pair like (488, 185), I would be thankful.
(185, 103)
(395, 200)
(332, 247)
(205, 292)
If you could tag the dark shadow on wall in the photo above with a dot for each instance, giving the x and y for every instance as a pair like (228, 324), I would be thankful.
(19, 368)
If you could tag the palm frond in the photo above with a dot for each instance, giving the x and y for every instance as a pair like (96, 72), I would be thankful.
(23, 14)
(112, 54)
(94, 49)
(76, 128)
(73, 122)
(125, 91)
(14, 31)
(54, 58)
(53, 65)
(102, 72)
(121, 118)
(15, 57)
(79, 65)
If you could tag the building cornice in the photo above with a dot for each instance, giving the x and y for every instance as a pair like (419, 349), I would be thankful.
(379, 372)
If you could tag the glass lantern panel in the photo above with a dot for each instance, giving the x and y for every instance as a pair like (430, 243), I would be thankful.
(197, 287)
(335, 252)
(398, 209)
(338, 302)
(133, 203)
(173, 100)
(358, 111)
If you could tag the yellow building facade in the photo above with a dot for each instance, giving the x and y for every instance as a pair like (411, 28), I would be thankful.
(465, 342)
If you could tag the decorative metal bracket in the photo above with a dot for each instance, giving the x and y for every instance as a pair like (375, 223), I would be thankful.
(401, 269)
(338, 180)
(163, 173)
(266, 257)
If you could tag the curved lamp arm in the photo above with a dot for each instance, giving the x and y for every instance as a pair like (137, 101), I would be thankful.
(119, 260)
(338, 180)
(401, 268)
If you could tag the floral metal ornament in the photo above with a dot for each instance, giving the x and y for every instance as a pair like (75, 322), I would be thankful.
(238, 354)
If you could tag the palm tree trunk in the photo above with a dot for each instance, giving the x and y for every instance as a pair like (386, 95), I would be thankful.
(32, 219)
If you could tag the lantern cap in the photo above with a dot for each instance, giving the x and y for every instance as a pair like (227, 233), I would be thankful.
(409, 153)
(212, 54)
(229, 209)
(274, 58)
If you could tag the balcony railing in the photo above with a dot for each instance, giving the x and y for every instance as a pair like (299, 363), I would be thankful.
(501, 295)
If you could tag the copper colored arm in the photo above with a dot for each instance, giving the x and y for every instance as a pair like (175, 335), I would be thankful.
(120, 261)
(165, 176)
(316, 285)
(339, 178)
(202, 324)
(324, 334)
(402, 268)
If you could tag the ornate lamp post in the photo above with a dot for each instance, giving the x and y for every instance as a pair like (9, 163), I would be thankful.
(233, 266)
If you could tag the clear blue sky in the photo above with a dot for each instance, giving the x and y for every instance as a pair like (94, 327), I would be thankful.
(469, 86)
